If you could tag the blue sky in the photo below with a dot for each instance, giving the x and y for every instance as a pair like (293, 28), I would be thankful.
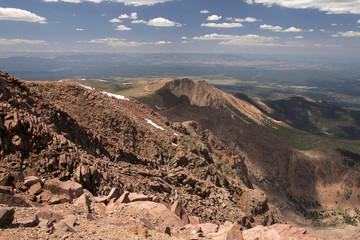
(295, 27)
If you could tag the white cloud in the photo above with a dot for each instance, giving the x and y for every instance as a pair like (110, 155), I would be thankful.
(271, 28)
(139, 21)
(122, 28)
(133, 15)
(5, 41)
(117, 42)
(292, 29)
(322, 30)
(299, 37)
(279, 29)
(162, 22)
(329, 6)
(213, 18)
(184, 37)
(240, 40)
(204, 11)
(346, 34)
(358, 21)
(162, 42)
(16, 14)
(310, 30)
(115, 20)
(222, 25)
(80, 29)
(333, 24)
(123, 16)
(248, 19)
(126, 2)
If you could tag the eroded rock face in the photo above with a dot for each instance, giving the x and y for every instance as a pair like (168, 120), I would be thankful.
(85, 139)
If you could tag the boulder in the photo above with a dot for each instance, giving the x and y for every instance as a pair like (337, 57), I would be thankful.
(32, 221)
(159, 210)
(35, 189)
(180, 211)
(8, 190)
(56, 199)
(31, 180)
(70, 188)
(134, 197)
(6, 216)
(64, 226)
(227, 232)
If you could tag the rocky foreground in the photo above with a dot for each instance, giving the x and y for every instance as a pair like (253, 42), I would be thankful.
(53, 209)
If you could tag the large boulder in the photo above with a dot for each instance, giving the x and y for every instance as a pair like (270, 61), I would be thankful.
(70, 188)
(6, 216)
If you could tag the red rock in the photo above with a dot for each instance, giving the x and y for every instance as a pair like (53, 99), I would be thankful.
(70, 188)
(160, 210)
(124, 198)
(195, 220)
(71, 220)
(64, 226)
(114, 193)
(180, 212)
(35, 189)
(32, 221)
(8, 190)
(6, 216)
(50, 215)
(45, 195)
(56, 199)
(134, 197)
(208, 227)
(228, 233)
(31, 180)
(82, 200)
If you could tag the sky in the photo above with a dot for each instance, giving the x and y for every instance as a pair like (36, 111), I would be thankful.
(294, 27)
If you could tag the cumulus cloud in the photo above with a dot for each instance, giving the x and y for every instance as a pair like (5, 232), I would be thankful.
(133, 15)
(240, 40)
(204, 11)
(346, 34)
(16, 14)
(222, 25)
(292, 29)
(328, 6)
(280, 29)
(271, 28)
(80, 29)
(248, 19)
(5, 41)
(122, 28)
(123, 16)
(126, 2)
(115, 20)
(213, 18)
(162, 22)
(358, 21)
(299, 37)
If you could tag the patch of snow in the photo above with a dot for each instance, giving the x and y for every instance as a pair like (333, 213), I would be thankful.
(174, 144)
(126, 83)
(60, 80)
(159, 107)
(176, 134)
(154, 124)
(87, 87)
(83, 79)
(101, 80)
(116, 96)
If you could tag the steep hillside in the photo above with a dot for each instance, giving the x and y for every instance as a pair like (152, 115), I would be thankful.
(309, 180)
(102, 140)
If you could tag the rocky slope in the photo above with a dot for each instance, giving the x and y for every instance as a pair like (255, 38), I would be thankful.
(102, 140)
(311, 180)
